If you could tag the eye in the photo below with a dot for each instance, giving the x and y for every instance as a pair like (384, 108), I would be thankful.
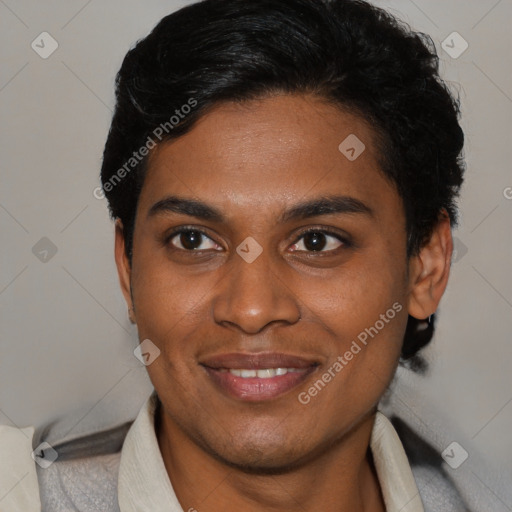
(317, 240)
(192, 240)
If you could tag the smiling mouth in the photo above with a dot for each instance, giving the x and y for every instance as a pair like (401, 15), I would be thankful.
(265, 373)
(258, 377)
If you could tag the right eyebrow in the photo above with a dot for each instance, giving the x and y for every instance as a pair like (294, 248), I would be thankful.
(185, 206)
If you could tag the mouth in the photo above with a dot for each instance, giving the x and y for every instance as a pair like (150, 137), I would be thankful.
(258, 377)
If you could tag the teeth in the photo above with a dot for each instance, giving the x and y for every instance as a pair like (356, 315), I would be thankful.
(264, 373)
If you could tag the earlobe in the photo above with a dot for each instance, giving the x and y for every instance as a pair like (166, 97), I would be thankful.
(430, 269)
(131, 315)
(123, 268)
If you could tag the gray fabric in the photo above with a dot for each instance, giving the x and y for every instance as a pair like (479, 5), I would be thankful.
(437, 490)
(84, 476)
(67, 445)
(425, 433)
(83, 485)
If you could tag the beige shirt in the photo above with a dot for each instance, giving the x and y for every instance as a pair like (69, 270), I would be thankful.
(143, 482)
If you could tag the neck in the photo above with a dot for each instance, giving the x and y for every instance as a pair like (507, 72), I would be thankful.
(342, 478)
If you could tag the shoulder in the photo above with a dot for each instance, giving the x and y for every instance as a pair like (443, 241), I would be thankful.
(42, 470)
(84, 475)
(87, 484)
(437, 489)
(459, 481)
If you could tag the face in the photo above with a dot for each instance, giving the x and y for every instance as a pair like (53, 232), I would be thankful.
(260, 245)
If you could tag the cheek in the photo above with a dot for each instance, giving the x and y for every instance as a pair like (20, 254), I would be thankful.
(361, 367)
(354, 297)
(167, 308)
(364, 306)
(163, 296)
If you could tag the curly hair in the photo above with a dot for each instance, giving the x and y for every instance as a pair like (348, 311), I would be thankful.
(348, 52)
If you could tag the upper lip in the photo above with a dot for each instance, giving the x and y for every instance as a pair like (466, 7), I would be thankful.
(258, 361)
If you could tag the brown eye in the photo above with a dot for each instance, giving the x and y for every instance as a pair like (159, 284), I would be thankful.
(319, 241)
(192, 240)
(314, 241)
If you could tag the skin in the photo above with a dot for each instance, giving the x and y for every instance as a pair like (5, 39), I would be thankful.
(252, 162)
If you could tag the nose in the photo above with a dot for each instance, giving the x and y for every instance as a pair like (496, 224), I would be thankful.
(253, 296)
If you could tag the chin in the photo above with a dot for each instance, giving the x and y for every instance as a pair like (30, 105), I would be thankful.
(263, 463)
(257, 457)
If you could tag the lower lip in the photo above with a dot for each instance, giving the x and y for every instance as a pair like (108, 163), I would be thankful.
(253, 389)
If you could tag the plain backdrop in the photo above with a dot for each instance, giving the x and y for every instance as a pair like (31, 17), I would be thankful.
(66, 343)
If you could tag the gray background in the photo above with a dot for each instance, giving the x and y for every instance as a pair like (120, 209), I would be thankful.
(66, 343)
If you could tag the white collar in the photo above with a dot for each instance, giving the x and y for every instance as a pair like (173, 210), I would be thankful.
(393, 470)
(144, 484)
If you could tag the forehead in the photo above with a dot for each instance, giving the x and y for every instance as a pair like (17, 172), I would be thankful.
(271, 151)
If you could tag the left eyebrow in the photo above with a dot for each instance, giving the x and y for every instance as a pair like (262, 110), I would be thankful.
(327, 206)
(323, 206)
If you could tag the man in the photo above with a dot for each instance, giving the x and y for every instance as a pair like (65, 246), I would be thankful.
(283, 176)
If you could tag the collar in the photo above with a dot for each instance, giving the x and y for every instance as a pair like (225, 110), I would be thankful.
(144, 485)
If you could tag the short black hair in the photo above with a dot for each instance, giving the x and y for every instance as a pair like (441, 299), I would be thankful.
(348, 52)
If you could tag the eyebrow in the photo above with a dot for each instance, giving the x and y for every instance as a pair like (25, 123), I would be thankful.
(322, 206)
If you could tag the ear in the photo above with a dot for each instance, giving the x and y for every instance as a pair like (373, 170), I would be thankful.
(123, 268)
(430, 269)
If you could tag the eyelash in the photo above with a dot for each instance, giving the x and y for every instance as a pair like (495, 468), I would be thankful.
(344, 240)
